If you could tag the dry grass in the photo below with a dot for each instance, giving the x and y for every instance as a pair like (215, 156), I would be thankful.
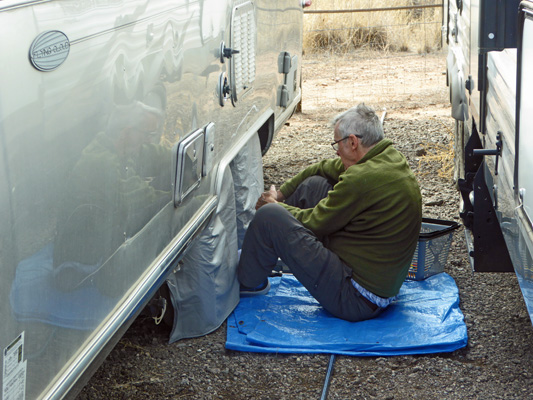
(415, 30)
(440, 153)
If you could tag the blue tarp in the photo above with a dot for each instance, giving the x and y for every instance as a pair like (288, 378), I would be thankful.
(424, 319)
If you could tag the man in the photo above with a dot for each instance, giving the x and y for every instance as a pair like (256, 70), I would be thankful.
(346, 227)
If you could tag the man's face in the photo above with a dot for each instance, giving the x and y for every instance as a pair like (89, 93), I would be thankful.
(343, 150)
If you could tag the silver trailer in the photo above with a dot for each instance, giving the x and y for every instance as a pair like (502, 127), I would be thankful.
(128, 133)
(489, 64)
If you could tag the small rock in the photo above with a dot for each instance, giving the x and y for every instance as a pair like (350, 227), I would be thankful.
(431, 203)
(420, 152)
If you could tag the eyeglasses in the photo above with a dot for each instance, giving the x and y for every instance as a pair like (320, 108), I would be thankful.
(335, 144)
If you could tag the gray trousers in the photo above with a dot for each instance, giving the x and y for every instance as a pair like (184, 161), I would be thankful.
(274, 233)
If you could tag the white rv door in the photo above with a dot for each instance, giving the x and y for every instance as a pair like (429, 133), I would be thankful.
(525, 140)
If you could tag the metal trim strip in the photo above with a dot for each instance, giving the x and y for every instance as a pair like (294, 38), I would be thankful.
(127, 308)
(238, 146)
(21, 4)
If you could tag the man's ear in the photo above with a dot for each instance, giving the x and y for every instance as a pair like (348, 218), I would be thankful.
(354, 142)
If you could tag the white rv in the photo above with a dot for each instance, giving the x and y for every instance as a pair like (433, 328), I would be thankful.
(489, 66)
(131, 135)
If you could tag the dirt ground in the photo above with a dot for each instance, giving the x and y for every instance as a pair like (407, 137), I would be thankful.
(496, 364)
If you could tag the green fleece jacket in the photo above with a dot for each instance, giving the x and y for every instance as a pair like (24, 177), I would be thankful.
(371, 219)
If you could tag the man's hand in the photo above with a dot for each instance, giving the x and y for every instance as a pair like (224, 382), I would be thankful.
(268, 197)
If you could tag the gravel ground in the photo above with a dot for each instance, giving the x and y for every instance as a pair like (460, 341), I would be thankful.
(495, 364)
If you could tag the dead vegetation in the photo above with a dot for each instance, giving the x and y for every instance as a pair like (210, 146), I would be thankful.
(410, 30)
(440, 153)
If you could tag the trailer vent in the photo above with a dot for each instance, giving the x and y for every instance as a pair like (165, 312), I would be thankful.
(243, 36)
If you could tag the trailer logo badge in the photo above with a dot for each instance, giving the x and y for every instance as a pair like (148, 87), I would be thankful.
(49, 50)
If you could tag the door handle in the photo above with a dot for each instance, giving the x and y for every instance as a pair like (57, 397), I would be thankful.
(494, 152)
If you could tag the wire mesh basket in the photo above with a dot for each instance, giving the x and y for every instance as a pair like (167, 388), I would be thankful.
(432, 249)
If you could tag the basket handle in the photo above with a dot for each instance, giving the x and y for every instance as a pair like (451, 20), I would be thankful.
(451, 226)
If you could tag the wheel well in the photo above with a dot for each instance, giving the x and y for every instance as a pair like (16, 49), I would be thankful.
(266, 134)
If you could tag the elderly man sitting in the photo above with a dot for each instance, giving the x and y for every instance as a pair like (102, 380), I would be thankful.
(346, 227)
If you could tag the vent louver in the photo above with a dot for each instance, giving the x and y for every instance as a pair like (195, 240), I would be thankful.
(243, 34)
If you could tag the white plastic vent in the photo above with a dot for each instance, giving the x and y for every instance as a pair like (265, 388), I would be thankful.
(243, 37)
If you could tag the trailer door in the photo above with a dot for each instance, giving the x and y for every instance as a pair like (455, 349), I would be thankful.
(525, 120)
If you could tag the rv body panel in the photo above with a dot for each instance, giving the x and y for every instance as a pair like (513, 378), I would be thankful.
(495, 172)
(473, 80)
(521, 241)
(458, 58)
(115, 131)
(499, 125)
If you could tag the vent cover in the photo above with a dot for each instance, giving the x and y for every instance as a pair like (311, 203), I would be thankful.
(243, 37)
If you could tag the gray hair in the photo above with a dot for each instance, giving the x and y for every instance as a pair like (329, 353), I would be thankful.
(360, 120)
